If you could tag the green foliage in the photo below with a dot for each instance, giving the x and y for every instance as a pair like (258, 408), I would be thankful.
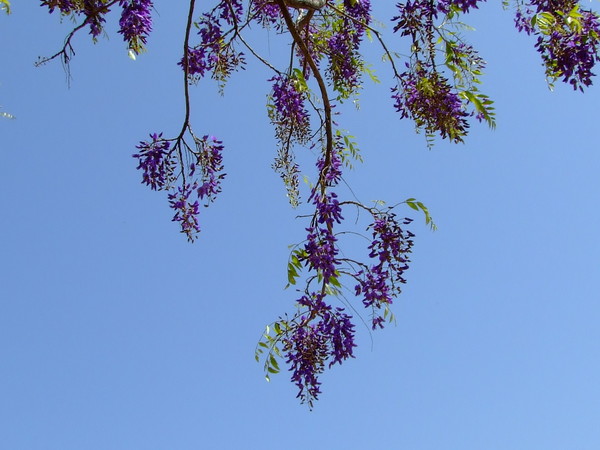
(466, 67)
(482, 104)
(270, 343)
(349, 151)
(418, 206)
(295, 265)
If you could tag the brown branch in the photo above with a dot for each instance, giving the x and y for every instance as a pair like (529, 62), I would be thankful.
(320, 82)
(186, 89)
(67, 51)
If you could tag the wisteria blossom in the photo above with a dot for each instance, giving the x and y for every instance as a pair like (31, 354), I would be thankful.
(136, 23)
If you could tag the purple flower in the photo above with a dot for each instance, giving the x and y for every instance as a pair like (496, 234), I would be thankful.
(186, 211)
(569, 45)
(323, 335)
(306, 351)
(464, 5)
(428, 99)
(390, 248)
(415, 17)
(211, 163)
(359, 10)
(344, 63)
(287, 111)
(266, 12)
(65, 6)
(321, 252)
(205, 56)
(201, 179)
(212, 54)
(135, 23)
(156, 161)
(321, 249)
(93, 10)
(231, 11)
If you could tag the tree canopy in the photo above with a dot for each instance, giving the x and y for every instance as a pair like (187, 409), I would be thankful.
(436, 82)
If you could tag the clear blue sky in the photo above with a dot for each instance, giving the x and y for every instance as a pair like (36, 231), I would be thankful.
(115, 333)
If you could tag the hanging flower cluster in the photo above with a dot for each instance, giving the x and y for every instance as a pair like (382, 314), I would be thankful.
(428, 99)
(568, 38)
(381, 282)
(158, 160)
(345, 63)
(439, 88)
(445, 6)
(287, 110)
(213, 53)
(325, 339)
(136, 23)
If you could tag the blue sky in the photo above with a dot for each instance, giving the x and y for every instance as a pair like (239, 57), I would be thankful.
(115, 333)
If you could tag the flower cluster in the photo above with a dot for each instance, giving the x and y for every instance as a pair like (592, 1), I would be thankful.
(344, 64)
(287, 111)
(64, 6)
(381, 282)
(93, 10)
(135, 23)
(213, 54)
(568, 38)
(414, 18)
(266, 12)
(205, 56)
(331, 171)
(327, 335)
(360, 13)
(186, 210)
(464, 5)
(321, 249)
(414, 14)
(210, 159)
(231, 11)
(156, 160)
(428, 99)
(292, 125)
(342, 49)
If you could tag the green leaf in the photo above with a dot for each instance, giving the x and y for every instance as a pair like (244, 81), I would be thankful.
(482, 104)
(419, 206)
(298, 76)
(333, 280)
(367, 69)
(412, 205)
(544, 22)
(292, 274)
